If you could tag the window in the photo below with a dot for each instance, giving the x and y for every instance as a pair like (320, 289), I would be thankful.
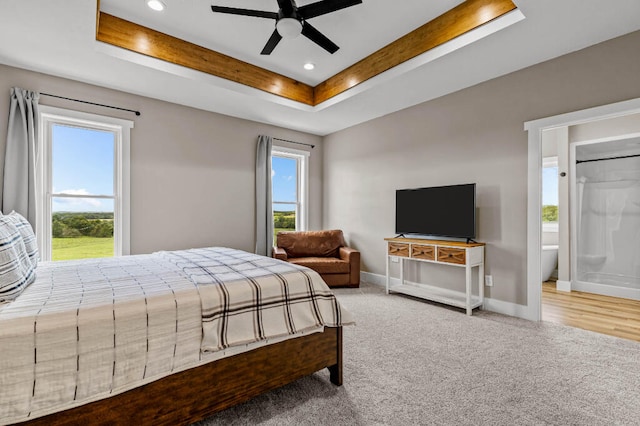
(289, 183)
(82, 185)
(550, 194)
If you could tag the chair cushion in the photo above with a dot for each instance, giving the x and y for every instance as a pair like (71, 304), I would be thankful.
(323, 265)
(311, 243)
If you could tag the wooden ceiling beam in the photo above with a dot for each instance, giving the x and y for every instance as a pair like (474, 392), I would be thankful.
(463, 18)
(127, 35)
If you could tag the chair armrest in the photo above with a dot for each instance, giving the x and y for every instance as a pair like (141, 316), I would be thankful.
(279, 253)
(353, 257)
(345, 253)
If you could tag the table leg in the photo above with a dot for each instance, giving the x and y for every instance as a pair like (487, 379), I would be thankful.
(481, 285)
(388, 260)
(468, 287)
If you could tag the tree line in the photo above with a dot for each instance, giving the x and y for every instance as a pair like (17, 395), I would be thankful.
(82, 224)
(286, 220)
(549, 213)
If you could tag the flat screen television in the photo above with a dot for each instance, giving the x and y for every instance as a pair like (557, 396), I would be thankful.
(439, 211)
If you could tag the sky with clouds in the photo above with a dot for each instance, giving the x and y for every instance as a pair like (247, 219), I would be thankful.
(83, 162)
(283, 176)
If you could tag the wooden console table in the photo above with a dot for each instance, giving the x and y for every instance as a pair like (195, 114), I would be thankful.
(452, 253)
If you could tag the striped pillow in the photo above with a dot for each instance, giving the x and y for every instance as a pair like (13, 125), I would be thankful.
(16, 270)
(29, 238)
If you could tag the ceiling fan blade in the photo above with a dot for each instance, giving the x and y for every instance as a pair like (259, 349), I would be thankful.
(271, 43)
(286, 6)
(245, 12)
(318, 38)
(323, 7)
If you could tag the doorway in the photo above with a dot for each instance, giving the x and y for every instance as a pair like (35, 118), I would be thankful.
(536, 131)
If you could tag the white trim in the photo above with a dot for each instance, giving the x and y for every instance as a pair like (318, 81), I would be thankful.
(573, 212)
(84, 118)
(506, 308)
(534, 197)
(563, 285)
(550, 161)
(121, 197)
(491, 305)
(371, 278)
(607, 290)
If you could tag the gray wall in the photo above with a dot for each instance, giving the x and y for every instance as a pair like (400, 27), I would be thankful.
(474, 135)
(192, 172)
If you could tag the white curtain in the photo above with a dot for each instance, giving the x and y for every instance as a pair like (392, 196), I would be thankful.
(264, 211)
(18, 192)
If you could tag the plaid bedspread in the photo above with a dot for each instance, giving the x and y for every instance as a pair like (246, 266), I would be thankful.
(248, 298)
(86, 330)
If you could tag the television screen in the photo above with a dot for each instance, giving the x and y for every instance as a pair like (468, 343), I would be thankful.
(444, 211)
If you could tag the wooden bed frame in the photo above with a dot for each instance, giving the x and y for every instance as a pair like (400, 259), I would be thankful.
(192, 395)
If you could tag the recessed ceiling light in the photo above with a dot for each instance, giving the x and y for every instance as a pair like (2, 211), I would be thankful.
(156, 5)
(309, 66)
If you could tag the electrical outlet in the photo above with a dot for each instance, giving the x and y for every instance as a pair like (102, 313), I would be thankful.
(395, 259)
(488, 280)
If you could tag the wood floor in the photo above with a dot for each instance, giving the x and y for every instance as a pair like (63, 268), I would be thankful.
(603, 314)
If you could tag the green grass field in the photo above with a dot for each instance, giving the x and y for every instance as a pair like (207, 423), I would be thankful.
(81, 248)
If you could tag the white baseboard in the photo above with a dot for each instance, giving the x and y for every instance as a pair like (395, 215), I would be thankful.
(563, 285)
(371, 278)
(492, 305)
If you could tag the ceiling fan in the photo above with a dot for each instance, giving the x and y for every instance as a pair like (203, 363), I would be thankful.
(291, 21)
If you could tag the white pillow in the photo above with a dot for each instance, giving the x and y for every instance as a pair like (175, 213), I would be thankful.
(16, 270)
(28, 237)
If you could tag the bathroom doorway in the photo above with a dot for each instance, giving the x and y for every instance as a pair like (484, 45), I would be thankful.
(574, 126)
(600, 286)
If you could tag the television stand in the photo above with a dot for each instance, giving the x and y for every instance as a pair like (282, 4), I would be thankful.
(466, 255)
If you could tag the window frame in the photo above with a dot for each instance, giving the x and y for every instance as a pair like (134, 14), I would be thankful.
(302, 183)
(50, 116)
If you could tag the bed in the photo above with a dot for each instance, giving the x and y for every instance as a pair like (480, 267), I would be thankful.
(165, 338)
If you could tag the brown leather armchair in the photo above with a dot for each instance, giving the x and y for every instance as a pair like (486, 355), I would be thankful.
(324, 252)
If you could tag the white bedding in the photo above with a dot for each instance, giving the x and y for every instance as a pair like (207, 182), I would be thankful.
(85, 330)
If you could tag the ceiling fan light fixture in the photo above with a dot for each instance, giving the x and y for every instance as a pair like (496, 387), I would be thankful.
(156, 5)
(289, 27)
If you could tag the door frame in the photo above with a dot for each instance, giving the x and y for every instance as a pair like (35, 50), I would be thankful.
(534, 186)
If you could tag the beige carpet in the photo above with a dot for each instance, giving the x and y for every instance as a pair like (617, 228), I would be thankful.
(409, 362)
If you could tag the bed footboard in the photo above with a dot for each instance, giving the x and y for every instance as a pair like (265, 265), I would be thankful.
(194, 394)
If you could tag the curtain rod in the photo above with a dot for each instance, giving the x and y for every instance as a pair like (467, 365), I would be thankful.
(610, 158)
(91, 103)
(299, 143)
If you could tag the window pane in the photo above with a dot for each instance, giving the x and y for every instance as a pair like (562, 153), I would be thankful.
(284, 177)
(82, 234)
(82, 161)
(550, 194)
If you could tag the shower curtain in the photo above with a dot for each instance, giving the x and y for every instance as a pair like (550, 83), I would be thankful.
(607, 255)
(592, 222)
